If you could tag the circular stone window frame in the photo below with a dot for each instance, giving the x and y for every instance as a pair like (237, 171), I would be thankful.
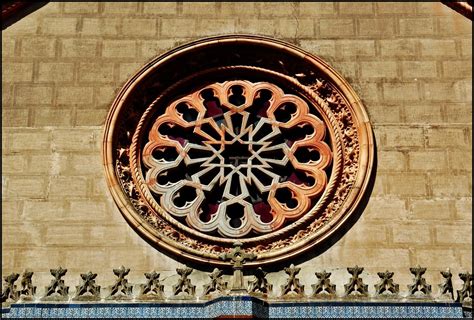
(280, 249)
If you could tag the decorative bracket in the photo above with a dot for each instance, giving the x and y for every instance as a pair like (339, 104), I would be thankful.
(356, 285)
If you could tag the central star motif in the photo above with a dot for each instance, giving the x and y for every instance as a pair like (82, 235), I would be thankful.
(237, 157)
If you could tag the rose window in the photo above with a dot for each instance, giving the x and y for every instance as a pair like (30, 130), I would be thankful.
(237, 138)
(237, 157)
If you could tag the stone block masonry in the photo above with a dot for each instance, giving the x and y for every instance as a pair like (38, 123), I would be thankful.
(410, 63)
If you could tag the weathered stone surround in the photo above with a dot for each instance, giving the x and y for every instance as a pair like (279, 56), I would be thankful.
(63, 64)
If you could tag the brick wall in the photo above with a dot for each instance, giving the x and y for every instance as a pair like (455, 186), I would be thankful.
(63, 64)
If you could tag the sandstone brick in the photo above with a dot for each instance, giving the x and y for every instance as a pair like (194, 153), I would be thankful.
(90, 117)
(86, 164)
(438, 47)
(458, 113)
(37, 258)
(456, 234)
(79, 259)
(445, 91)
(446, 137)
(199, 8)
(288, 28)
(26, 94)
(394, 7)
(433, 8)
(74, 95)
(433, 209)
(238, 8)
(427, 160)
(317, 8)
(450, 185)
(451, 24)
(460, 160)
(411, 234)
(59, 26)
(398, 47)
(65, 235)
(135, 260)
(336, 28)
(256, 26)
(8, 47)
(28, 25)
(96, 72)
(366, 234)
(26, 187)
(215, 26)
(356, 8)
(7, 95)
(38, 47)
(8, 256)
(68, 187)
(401, 91)
(466, 260)
(44, 211)
(52, 164)
(120, 7)
(175, 27)
(126, 70)
(323, 48)
(346, 69)
(138, 27)
(153, 48)
(17, 72)
(119, 48)
(355, 48)
(13, 164)
(22, 234)
(436, 258)
(376, 27)
(29, 140)
(14, 117)
(457, 69)
(74, 140)
(384, 113)
(105, 95)
(385, 209)
(423, 113)
(419, 69)
(108, 235)
(100, 27)
(369, 92)
(466, 47)
(417, 26)
(463, 208)
(55, 72)
(378, 69)
(407, 185)
(87, 210)
(11, 211)
(52, 117)
(391, 161)
(376, 257)
(160, 8)
(404, 137)
(81, 7)
(79, 48)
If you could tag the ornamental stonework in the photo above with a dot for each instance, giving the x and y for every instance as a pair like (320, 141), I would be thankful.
(237, 138)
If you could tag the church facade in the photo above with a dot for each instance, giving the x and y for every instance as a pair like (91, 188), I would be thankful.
(202, 154)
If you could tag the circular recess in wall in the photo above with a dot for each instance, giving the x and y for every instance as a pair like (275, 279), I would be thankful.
(237, 138)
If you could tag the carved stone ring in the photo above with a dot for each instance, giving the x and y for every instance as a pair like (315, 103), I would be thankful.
(237, 138)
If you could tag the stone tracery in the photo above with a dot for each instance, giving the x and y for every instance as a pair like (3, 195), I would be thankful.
(235, 155)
